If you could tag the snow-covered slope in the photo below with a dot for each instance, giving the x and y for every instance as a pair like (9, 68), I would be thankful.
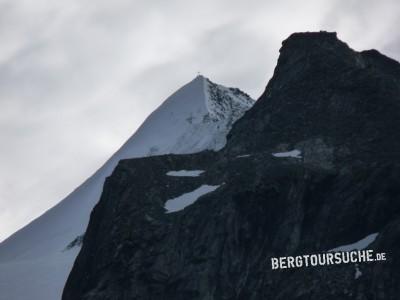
(35, 261)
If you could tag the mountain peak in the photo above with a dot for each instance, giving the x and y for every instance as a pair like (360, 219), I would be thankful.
(339, 101)
(201, 108)
(316, 35)
(213, 101)
(199, 80)
(196, 117)
(200, 77)
(315, 40)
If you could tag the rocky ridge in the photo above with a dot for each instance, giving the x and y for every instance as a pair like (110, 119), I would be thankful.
(315, 164)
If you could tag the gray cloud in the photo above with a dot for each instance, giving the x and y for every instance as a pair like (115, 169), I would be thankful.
(78, 77)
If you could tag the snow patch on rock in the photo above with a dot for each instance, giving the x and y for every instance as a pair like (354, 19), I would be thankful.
(294, 153)
(358, 273)
(185, 173)
(182, 201)
(243, 156)
(359, 245)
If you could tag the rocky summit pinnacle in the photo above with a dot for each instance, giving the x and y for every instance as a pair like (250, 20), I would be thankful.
(312, 167)
(333, 103)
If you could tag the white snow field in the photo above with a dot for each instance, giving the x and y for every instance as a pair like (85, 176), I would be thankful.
(184, 200)
(35, 261)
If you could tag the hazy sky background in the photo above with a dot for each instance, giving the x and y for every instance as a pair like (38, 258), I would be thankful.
(78, 77)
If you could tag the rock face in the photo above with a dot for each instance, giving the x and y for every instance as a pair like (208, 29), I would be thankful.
(315, 164)
(326, 96)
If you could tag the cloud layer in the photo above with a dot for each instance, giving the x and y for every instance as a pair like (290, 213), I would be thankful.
(78, 77)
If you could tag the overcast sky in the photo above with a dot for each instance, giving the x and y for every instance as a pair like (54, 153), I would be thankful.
(78, 77)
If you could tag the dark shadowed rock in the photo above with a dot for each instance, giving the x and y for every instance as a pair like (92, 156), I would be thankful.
(341, 110)
(326, 96)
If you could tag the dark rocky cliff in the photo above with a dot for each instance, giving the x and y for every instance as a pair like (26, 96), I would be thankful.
(325, 95)
(341, 109)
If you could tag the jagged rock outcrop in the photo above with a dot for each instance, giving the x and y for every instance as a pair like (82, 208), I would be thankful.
(315, 164)
(324, 95)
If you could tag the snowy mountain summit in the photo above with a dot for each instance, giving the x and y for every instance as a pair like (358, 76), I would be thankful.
(196, 117)
(39, 257)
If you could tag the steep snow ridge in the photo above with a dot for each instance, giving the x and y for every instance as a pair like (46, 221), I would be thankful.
(196, 117)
